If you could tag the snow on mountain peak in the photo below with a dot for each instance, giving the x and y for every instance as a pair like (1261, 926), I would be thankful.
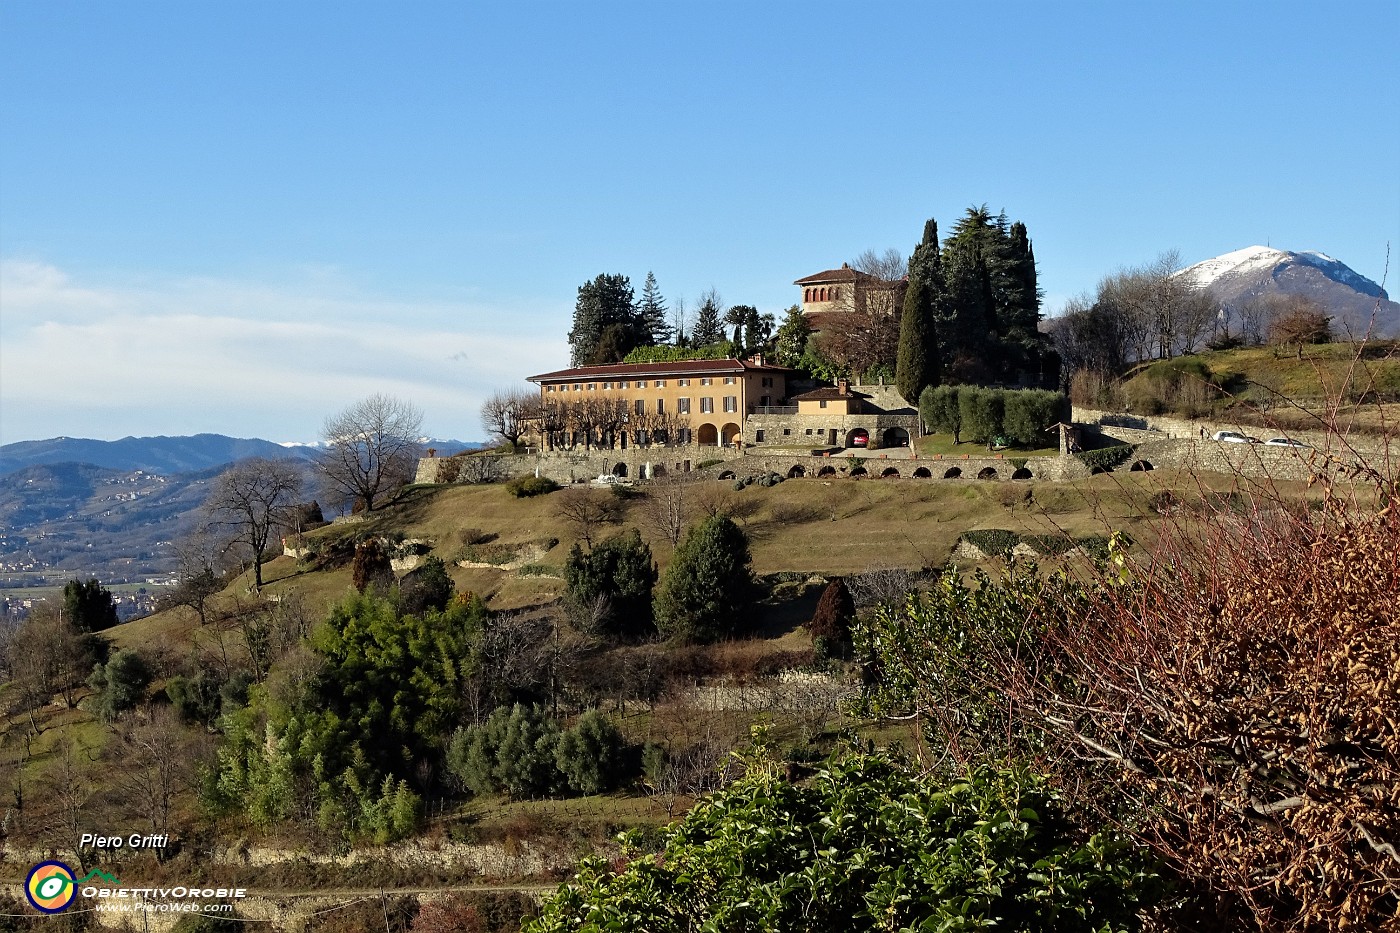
(1203, 274)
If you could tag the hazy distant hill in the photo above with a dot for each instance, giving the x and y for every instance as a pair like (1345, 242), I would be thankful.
(1257, 271)
(96, 521)
(164, 455)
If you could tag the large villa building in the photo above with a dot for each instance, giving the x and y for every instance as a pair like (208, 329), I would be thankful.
(730, 403)
(700, 402)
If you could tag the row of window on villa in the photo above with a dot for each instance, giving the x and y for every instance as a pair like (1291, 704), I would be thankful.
(821, 294)
(707, 405)
(641, 384)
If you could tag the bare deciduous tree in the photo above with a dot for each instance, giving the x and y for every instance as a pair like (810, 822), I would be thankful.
(373, 447)
(588, 510)
(251, 498)
(668, 507)
(508, 414)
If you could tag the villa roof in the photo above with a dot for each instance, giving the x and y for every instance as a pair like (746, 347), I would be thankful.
(676, 368)
(827, 393)
(843, 274)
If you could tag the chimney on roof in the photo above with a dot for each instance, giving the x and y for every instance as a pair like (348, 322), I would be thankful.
(845, 265)
(843, 386)
(756, 359)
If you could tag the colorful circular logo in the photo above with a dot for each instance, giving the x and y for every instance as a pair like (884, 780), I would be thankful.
(50, 887)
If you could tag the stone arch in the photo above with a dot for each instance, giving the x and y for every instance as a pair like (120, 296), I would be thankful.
(857, 437)
(1140, 466)
(727, 474)
(859, 471)
(827, 471)
(707, 435)
(796, 471)
(987, 473)
(619, 470)
(730, 433)
(923, 473)
(894, 437)
(953, 473)
(889, 473)
(1023, 473)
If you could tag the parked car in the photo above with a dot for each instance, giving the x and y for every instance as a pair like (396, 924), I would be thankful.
(1233, 437)
(1285, 442)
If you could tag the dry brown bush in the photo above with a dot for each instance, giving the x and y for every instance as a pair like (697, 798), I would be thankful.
(1244, 683)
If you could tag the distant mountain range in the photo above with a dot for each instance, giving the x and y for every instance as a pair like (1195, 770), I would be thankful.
(162, 455)
(113, 509)
(1259, 271)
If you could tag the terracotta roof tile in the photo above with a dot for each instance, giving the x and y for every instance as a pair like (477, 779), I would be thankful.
(678, 368)
(844, 274)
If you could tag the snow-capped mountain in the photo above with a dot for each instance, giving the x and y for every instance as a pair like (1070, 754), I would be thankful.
(1257, 271)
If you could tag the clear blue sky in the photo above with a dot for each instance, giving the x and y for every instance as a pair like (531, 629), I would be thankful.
(240, 216)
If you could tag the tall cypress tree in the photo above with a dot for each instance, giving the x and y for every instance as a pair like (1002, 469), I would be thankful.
(919, 364)
(651, 311)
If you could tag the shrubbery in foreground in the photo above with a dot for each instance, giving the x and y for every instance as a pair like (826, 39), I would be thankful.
(868, 844)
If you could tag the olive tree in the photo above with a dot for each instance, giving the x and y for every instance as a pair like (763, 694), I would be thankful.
(371, 447)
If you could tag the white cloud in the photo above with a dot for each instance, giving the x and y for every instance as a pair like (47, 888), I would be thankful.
(177, 357)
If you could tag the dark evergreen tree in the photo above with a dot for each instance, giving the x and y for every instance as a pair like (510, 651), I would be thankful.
(962, 321)
(427, 587)
(620, 570)
(707, 588)
(651, 313)
(918, 364)
(708, 327)
(602, 303)
(89, 606)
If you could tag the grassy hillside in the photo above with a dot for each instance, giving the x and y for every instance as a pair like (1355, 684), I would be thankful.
(818, 526)
(1266, 382)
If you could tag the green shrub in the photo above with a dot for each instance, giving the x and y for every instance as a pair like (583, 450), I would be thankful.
(868, 844)
(705, 464)
(523, 487)
(620, 570)
(705, 594)
(992, 541)
(1107, 457)
(592, 755)
(493, 553)
(121, 682)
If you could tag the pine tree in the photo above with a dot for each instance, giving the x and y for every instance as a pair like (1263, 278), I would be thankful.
(652, 312)
(606, 302)
(918, 363)
(707, 328)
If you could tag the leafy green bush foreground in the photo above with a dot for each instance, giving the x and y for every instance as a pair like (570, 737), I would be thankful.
(866, 844)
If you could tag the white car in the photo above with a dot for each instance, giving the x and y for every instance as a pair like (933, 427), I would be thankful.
(1285, 442)
(1233, 437)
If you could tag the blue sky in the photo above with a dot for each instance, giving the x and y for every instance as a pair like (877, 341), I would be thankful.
(240, 217)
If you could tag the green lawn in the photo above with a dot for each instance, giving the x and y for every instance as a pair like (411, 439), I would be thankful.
(943, 444)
